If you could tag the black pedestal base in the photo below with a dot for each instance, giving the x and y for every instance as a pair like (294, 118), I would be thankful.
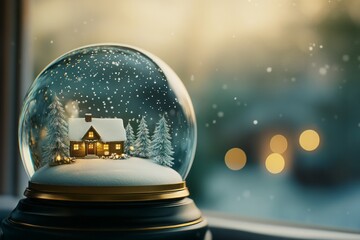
(35, 219)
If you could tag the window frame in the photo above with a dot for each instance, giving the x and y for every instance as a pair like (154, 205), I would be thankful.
(15, 82)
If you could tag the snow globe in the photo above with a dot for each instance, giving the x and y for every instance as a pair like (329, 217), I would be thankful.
(107, 132)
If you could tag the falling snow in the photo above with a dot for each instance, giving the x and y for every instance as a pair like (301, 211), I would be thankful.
(113, 82)
(345, 58)
(322, 71)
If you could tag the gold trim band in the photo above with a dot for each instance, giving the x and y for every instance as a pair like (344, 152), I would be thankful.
(106, 194)
(111, 229)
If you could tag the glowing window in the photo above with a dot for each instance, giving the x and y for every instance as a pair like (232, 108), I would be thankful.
(106, 146)
(91, 134)
(118, 146)
(91, 146)
(76, 147)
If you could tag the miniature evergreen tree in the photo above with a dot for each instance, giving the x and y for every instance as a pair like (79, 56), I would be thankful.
(161, 150)
(35, 123)
(142, 141)
(130, 138)
(56, 142)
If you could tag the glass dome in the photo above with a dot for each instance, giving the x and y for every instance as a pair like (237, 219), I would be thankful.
(107, 115)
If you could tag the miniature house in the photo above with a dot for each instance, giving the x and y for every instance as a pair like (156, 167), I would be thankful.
(96, 136)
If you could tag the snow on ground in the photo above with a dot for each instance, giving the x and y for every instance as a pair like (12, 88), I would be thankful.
(107, 172)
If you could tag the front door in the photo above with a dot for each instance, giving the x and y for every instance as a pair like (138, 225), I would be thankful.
(91, 149)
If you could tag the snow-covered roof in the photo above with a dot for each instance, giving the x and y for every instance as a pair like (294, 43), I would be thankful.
(109, 129)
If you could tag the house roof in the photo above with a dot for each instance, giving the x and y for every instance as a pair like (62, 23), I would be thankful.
(109, 129)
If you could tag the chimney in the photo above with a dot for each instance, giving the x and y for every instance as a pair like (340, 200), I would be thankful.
(88, 117)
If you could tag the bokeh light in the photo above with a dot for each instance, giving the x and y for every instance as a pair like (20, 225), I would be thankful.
(309, 140)
(278, 144)
(275, 163)
(235, 159)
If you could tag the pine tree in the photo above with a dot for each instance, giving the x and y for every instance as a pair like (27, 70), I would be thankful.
(142, 141)
(161, 150)
(130, 138)
(57, 140)
(36, 122)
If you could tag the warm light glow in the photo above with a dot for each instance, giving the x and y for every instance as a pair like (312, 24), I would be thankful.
(278, 144)
(91, 146)
(275, 163)
(309, 140)
(76, 147)
(91, 134)
(235, 159)
(43, 133)
(118, 146)
(131, 148)
(58, 157)
(106, 146)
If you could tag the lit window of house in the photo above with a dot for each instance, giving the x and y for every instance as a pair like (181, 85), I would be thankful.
(118, 146)
(106, 146)
(91, 134)
(91, 146)
(76, 146)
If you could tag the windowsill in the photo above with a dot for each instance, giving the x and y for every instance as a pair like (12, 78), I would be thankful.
(7, 204)
(225, 227)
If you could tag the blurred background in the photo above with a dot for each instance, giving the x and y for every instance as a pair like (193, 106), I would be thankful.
(275, 85)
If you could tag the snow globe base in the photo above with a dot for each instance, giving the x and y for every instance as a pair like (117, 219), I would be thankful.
(34, 218)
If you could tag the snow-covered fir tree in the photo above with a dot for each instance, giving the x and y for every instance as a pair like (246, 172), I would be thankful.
(35, 123)
(57, 141)
(142, 141)
(130, 138)
(161, 150)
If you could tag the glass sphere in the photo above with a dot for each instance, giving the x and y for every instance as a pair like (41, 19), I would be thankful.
(107, 115)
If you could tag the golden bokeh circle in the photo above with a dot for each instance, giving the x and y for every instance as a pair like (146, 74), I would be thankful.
(275, 163)
(309, 140)
(278, 143)
(235, 158)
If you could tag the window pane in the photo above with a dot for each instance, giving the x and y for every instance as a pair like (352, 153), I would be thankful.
(275, 87)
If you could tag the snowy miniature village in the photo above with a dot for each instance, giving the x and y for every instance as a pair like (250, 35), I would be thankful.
(101, 151)
(91, 138)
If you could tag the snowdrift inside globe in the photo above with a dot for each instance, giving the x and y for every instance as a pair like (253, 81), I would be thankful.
(107, 115)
